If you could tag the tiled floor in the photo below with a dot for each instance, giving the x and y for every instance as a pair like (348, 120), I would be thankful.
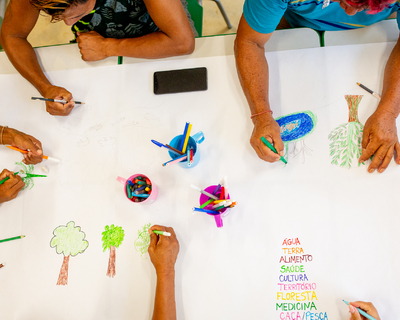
(46, 33)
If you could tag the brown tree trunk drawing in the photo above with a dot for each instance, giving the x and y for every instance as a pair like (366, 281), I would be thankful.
(63, 277)
(111, 263)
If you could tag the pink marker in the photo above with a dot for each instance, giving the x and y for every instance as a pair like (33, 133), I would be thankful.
(168, 163)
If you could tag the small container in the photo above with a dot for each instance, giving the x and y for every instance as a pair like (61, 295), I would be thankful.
(224, 212)
(193, 142)
(153, 192)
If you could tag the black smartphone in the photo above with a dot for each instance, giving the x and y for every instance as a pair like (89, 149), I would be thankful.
(183, 80)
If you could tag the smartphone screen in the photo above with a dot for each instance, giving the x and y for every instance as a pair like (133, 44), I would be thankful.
(183, 80)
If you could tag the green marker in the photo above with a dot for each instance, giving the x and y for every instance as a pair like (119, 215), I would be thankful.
(163, 233)
(6, 178)
(269, 145)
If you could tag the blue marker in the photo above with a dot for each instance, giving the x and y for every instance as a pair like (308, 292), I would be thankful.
(206, 211)
(184, 136)
(361, 312)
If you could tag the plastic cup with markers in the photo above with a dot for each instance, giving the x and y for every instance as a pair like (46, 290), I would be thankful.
(139, 188)
(192, 153)
(215, 201)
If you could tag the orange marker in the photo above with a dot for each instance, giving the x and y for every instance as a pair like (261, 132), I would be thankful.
(24, 151)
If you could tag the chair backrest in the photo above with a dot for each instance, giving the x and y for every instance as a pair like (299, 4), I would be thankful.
(196, 12)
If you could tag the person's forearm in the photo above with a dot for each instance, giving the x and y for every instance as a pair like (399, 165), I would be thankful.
(164, 305)
(390, 101)
(253, 74)
(151, 46)
(6, 137)
(23, 57)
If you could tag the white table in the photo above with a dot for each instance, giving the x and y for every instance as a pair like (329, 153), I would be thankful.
(346, 219)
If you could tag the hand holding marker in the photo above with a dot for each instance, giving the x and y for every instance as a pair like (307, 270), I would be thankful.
(269, 145)
(25, 151)
(55, 100)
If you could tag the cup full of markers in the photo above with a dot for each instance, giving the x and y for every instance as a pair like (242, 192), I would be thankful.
(215, 201)
(183, 149)
(139, 188)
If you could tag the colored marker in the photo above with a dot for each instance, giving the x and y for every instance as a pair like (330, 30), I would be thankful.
(176, 150)
(222, 195)
(361, 312)
(163, 233)
(166, 146)
(226, 187)
(24, 151)
(188, 158)
(187, 137)
(173, 161)
(184, 136)
(55, 100)
(205, 210)
(369, 90)
(191, 156)
(6, 178)
(14, 238)
(269, 145)
(204, 192)
(205, 204)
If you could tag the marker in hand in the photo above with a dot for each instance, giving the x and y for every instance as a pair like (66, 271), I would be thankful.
(56, 100)
(162, 233)
(24, 151)
(269, 145)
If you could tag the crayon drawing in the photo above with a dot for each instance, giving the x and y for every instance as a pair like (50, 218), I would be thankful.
(295, 127)
(346, 138)
(70, 241)
(112, 239)
(143, 241)
(26, 169)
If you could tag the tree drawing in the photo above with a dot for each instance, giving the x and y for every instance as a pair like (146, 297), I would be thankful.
(112, 239)
(346, 138)
(295, 127)
(28, 179)
(143, 241)
(70, 241)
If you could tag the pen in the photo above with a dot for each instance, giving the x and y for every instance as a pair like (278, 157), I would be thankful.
(55, 100)
(369, 90)
(163, 233)
(269, 145)
(166, 146)
(361, 312)
(24, 151)
(6, 178)
(173, 161)
(204, 192)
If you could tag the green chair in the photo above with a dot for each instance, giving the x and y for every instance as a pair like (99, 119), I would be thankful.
(196, 12)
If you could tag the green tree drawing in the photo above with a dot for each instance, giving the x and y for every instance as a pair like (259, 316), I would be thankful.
(112, 238)
(143, 240)
(70, 241)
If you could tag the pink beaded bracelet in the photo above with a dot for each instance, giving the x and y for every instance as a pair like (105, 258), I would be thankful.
(252, 116)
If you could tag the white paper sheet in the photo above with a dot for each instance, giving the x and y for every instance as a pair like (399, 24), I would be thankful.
(346, 219)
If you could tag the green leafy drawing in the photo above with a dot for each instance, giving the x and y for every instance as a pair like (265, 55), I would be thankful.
(112, 239)
(143, 241)
(70, 241)
(346, 139)
(27, 171)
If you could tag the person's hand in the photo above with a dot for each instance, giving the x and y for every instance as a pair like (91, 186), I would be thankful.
(92, 46)
(9, 189)
(25, 142)
(57, 108)
(380, 138)
(368, 307)
(163, 250)
(265, 126)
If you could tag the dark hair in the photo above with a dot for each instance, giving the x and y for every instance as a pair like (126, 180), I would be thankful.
(374, 6)
(55, 8)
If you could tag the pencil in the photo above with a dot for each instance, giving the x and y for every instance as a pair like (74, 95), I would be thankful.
(55, 100)
(176, 150)
(24, 151)
(6, 178)
(361, 312)
(269, 145)
(369, 90)
(14, 238)
(187, 137)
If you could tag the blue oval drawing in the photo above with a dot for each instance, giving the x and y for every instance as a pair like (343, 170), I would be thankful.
(296, 126)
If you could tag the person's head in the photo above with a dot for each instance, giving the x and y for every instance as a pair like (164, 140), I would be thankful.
(351, 7)
(69, 11)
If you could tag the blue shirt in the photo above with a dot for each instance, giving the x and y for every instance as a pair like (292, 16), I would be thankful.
(264, 15)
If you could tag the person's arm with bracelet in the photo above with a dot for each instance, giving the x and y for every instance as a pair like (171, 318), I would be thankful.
(19, 20)
(163, 251)
(15, 138)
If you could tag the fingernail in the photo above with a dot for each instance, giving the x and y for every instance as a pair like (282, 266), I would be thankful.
(361, 161)
(351, 309)
(381, 170)
(371, 170)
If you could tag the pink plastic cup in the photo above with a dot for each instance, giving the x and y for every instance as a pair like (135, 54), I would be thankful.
(153, 194)
(223, 212)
